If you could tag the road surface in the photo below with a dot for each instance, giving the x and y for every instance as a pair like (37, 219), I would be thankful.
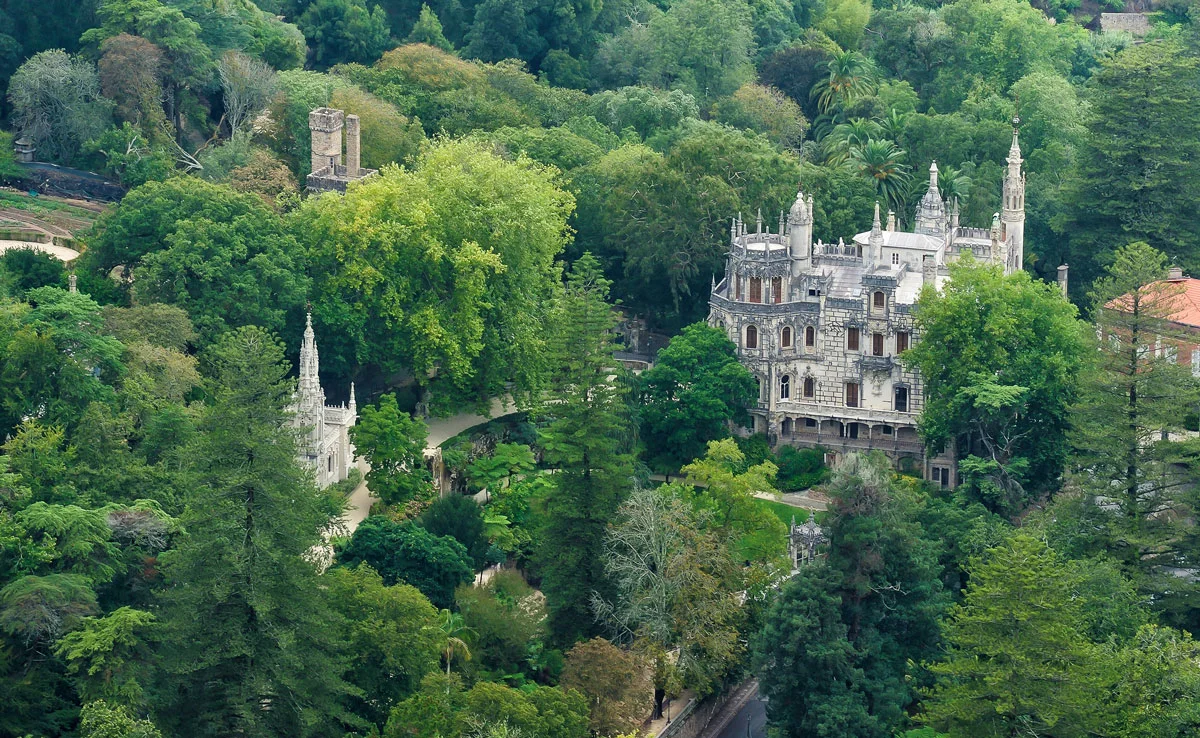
(749, 722)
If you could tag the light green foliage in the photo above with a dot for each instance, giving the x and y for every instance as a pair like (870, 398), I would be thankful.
(99, 719)
(644, 109)
(845, 20)
(128, 157)
(8, 159)
(452, 281)
(695, 389)
(587, 440)
(764, 110)
(703, 47)
(109, 656)
(428, 30)
(725, 488)
(494, 473)
(1017, 659)
(393, 443)
(559, 146)
(246, 619)
(392, 636)
(386, 136)
(79, 540)
(1000, 356)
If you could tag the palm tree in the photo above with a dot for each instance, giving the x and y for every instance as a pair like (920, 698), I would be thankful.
(892, 124)
(883, 162)
(954, 183)
(455, 631)
(848, 136)
(851, 77)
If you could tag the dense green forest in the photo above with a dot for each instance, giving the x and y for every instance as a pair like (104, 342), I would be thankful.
(168, 569)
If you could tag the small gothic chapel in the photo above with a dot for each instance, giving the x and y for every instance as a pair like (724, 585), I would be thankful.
(821, 324)
(325, 440)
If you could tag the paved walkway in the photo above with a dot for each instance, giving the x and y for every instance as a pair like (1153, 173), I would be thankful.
(440, 431)
(651, 728)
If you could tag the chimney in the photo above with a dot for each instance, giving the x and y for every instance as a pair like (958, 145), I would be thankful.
(891, 222)
(1174, 273)
(929, 270)
(1062, 279)
(353, 148)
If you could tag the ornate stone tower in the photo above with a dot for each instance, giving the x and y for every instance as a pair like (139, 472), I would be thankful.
(1012, 215)
(799, 234)
(931, 211)
(310, 398)
(873, 256)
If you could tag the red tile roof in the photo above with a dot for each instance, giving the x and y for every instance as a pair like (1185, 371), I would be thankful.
(1184, 294)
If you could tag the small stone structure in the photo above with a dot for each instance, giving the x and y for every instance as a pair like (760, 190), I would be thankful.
(325, 444)
(1135, 24)
(804, 540)
(24, 150)
(328, 172)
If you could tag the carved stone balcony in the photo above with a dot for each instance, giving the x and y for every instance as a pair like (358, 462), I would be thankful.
(876, 363)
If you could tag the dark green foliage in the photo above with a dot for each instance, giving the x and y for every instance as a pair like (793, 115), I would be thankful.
(460, 518)
(341, 31)
(26, 269)
(695, 389)
(245, 619)
(406, 552)
(1136, 180)
(587, 440)
(838, 653)
(506, 619)
(800, 468)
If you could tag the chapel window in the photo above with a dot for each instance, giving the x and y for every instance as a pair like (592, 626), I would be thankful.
(785, 339)
(755, 289)
(785, 387)
(751, 337)
(810, 386)
(895, 259)
(776, 290)
(810, 336)
(852, 339)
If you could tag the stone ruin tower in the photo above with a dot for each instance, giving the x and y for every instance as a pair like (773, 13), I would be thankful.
(328, 171)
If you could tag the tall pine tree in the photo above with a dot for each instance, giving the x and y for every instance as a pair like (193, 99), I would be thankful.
(588, 439)
(247, 647)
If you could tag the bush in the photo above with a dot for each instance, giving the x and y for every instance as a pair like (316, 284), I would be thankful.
(800, 468)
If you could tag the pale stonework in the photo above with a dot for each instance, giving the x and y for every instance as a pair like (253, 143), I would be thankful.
(820, 325)
(325, 429)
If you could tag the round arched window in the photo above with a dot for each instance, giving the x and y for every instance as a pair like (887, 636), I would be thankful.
(785, 387)
(751, 337)
(785, 340)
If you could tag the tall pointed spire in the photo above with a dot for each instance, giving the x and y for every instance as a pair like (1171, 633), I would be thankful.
(353, 402)
(1014, 151)
(876, 226)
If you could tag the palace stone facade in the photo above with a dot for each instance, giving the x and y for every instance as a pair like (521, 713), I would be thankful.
(821, 324)
(325, 429)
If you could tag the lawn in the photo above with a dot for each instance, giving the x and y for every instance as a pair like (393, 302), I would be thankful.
(785, 512)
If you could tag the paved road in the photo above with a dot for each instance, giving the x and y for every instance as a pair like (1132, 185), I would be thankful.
(749, 722)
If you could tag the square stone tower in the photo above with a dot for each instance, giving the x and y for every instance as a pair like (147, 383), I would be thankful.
(326, 126)
(328, 173)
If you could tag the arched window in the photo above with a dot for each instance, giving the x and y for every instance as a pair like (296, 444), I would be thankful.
(776, 289)
(810, 386)
(810, 336)
(785, 387)
(751, 337)
(785, 339)
(755, 289)
(880, 300)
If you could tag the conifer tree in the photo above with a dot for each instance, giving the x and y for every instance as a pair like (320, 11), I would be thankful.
(588, 440)
(248, 647)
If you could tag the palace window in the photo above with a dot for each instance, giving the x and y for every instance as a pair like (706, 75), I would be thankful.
(810, 336)
(751, 337)
(895, 259)
(851, 394)
(879, 300)
(810, 423)
(902, 341)
(941, 475)
(877, 344)
(785, 338)
(785, 387)
(810, 386)
(901, 405)
(776, 290)
(852, 339)
(755, 289)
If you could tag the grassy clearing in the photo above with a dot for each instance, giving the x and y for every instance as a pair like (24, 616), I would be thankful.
(785, 512)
